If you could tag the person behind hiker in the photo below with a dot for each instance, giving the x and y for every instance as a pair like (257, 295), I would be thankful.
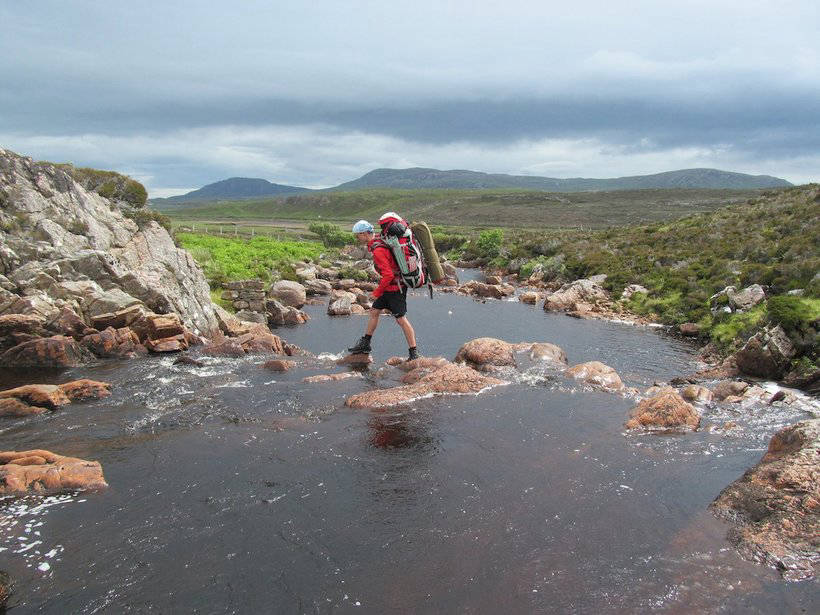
(390, 294)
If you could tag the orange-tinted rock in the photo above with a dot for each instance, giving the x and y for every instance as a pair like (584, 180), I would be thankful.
(355, 360)
(119, 319)
(56, 351)
(493, 291)
(666, 410)
(331, 377)
(162, 326)
(175, 343)
(78, 390)
(11, 406)
(597, 374)
(44, 395)
(450, 379)
(485, 351)
(395, 361)
(113, 343)
(279, 365)
(729, 388)
(529, 297)
(19, 323)
(261, 341)
(227, 347)
(696, 392)
(422, 362)
(774, 505)
(41, 470)
(69, 324)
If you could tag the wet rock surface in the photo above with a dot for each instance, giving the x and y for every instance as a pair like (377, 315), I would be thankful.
(775, 506)
(597, 374)
(56, 351)
(44, 471)
(485, 352)
(666, 410)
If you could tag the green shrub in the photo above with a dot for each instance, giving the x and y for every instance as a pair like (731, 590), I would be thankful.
(737, 327)
(792, 313)
(109, 184)
(359, 275)
(143, 216)
(489, 242)
(331, 235)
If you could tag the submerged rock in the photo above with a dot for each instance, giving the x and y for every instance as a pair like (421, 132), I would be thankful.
(331, 377)
(666, 410)
(40, 470)
(447, 380)
(597, 374)
(775, 506)
(279, 365)
(79, 390)
(486, 351)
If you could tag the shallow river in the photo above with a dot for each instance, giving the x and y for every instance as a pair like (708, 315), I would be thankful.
(234, 489)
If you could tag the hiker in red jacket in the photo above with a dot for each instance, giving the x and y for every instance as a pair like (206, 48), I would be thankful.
(390, 294)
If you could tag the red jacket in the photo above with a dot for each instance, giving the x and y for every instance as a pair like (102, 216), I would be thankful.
(386, 265)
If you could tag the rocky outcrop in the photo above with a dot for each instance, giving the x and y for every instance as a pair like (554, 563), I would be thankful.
(746, 298)
(576, 296)
(37, 398)
(666, 410)
(631, 290)
(775, 506)
(486, 352)
(696, 392)
(544, 351)
(598, 375)
(728, 388)
(43, 471)
(52, 352)
(279, 314)
(447, 380)
(84, 389)
(66, 247)
(767, 354)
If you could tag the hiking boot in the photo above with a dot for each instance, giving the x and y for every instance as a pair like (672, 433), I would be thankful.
(412, 353)
(361, 347)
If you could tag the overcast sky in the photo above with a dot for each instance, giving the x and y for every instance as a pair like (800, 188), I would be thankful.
(181, 94)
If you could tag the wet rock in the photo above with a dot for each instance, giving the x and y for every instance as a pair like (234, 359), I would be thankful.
(490, 291)
(83, 389)
(729, 388)
(632, 289)
(666, 410)
(289, 293)
(450, 379)
(420, 363)
(113, 343)
(56, 351)
(544, 351)
(176, 343)
(358, 310)
(331, 377)
(44, 395)
(279, 365)
(780, 395)
(20, 323)
(775, 506)
(486, 351)
(292, 349)
(186, 360)
(696, 392)
(280, 314)
(493, 280)
(808, 381)
(529, 297)
(261, 341)
(767, 354)
(597, 374)
(43, 471)
(567, 298)
(227, 347)
(13, 407)
(689, 329)
(355, 360)
(5, 589)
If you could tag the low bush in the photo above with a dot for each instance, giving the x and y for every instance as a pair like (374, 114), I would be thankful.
(331, 235)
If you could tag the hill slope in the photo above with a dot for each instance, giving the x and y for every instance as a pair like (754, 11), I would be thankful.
(459, 179)
(232, 188)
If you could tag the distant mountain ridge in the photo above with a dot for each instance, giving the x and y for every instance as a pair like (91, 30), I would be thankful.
(461, 179)
(422, 178)
(234, 188)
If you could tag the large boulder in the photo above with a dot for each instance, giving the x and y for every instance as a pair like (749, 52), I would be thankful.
(56, 351)
(728, 388)
(746, 298)
(449, 379)
(49, 396)
(113, 343)
(666, 410)
(544, 351)
(567, 298)
(775, 506)
(341, 306)
(597, 374)
(317, 287)
(767, 354)
(289, 293)
(43, 471)
(82, 248)
(486, 351)
(83, 389)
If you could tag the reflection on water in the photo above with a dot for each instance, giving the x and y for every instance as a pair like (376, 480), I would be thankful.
(237, 490)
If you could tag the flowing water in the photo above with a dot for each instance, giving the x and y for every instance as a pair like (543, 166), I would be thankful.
(235, 489)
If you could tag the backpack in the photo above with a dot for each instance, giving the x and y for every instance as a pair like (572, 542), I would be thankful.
(397, 237)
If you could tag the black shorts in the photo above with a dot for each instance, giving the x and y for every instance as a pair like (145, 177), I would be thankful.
(393, 300)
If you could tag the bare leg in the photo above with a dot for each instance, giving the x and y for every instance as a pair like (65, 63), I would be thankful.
(373, 322)
(408, 331)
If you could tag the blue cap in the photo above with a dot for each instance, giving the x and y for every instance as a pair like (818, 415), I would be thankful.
(363, 226)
